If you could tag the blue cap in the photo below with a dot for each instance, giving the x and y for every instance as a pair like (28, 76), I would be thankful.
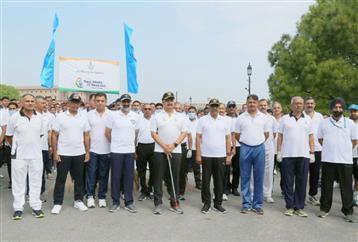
(353, 107)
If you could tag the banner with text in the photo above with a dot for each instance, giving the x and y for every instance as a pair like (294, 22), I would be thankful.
(88, 75)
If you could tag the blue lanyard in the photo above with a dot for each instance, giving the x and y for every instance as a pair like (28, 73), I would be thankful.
(334, 123)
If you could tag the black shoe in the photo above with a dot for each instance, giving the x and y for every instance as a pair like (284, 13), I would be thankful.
(9, 186)
(17, 215)
(38, 213)
(258, 211)
(206, 209)
(142, 197)
(235, 192)
(220, 209)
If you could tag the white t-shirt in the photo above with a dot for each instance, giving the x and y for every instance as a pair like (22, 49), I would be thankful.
(192, 129)
(337, 140)
(168, 128)
(276, 125)
(270, 142)
(316, 120)
(26, 135)
(144, 135)
(4, 118)
(123, 128)
(47, 122)
(355, 149)
(99, 142)
(213, 139)
(296, 133)
(71, 133)
(252, 130)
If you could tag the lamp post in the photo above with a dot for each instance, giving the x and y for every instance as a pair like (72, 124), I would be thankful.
(190, 100)
(249, 72)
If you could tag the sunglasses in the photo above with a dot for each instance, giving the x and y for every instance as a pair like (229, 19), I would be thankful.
(231, 106)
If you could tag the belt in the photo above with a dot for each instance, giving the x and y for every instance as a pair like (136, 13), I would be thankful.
(146, 143)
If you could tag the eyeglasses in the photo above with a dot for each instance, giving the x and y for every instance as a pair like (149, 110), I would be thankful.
(232, 106)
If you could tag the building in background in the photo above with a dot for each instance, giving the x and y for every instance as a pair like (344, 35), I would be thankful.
(53, 92)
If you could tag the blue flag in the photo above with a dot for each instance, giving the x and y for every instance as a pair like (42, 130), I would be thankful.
(131, 62)
(48, 67)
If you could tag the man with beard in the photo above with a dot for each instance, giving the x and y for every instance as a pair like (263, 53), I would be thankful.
(338, 135)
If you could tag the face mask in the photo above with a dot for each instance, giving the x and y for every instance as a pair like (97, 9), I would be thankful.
(337, 113)
(11, 112)
(192, 116)
(158, 110)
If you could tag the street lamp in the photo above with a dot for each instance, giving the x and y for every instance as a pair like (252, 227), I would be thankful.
(190, 100)
(249, 72)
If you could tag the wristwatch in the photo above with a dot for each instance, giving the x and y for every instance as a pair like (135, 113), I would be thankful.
(175, 144)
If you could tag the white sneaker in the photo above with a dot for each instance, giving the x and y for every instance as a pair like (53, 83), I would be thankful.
(1, 176)
(275, 172)
(269, 200)
(225, 198)
(80, 206)
(90, 202)
(56, 209)
(102, 203)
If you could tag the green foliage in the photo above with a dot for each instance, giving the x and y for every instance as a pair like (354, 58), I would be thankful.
(321, 59)
(9, 91)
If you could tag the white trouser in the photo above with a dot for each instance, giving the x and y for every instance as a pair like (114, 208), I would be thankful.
(268, 176)
(19, 171)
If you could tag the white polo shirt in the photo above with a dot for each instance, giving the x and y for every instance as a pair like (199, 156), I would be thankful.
(4, 118)
(276, 125)
(71, 137)
(233, 123)
(252, 130)
(295, 133)
(47, 122)
(168, 128)
(26, 135)
(213, 139)
(355, 149)
(270, 142)
(316, 120)
(123, 128)
(337, 140)
(144, 135)
(99, 142)
(192, 129)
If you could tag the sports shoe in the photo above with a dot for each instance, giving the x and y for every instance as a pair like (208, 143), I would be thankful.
(312, 200)
(275, 172)
(301, 213)
(225, 198)
(38, 213)
(245, 210)
(56, 209)
(80, 205)
(158, 209)
(349, 218)
(181, 197)
(220, 209)
(142, 197)
(102, 203)
(1, 176)
(289, 212)
(43, 198)
(131, 208)
(114, 208)
(235, 192)
(17, 215)
(176, 209)
(322, 214)
(269, 200)
(258, 211)
(151, 196)
(90, 202)
(206, 208)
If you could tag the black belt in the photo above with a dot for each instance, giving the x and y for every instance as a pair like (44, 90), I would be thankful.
(146, 143)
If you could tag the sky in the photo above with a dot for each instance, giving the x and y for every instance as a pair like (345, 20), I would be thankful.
(197, 49)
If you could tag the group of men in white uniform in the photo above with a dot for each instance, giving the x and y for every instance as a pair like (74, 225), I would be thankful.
(111, 143)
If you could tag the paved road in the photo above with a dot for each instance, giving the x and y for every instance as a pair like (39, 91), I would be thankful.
(100, 225)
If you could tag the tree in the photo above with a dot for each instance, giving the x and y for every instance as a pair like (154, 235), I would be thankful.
(9, 91)
(321, 59)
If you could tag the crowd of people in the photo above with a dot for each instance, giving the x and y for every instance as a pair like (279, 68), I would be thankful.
(100, 144)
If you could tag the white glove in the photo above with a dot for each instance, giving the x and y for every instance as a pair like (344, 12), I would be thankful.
(189, 154)
(312, 158)
(279, 157)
